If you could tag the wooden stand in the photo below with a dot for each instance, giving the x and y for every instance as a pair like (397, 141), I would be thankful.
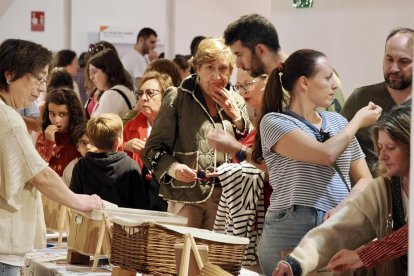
(90, 235)
(201, 268)
(56, 217)
(117, 271)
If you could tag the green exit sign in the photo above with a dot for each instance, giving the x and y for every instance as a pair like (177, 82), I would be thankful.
(302, 3)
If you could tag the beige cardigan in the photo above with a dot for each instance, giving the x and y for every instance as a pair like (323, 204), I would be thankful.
(361, 220)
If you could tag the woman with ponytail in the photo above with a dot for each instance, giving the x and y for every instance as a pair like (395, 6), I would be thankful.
(309, 154)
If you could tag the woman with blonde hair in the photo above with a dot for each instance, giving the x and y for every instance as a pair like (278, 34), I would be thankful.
(177, 151)
(136, 131)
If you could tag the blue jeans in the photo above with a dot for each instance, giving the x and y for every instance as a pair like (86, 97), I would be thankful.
(9, 270)
(283, 230)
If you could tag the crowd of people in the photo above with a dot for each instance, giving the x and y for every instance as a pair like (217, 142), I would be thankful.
(325, 176)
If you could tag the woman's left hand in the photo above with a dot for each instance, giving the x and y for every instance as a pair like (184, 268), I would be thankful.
(331, 212)
(282, 269)
(221, 97)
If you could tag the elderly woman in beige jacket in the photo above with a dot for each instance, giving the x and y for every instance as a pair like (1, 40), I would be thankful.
(177, 151)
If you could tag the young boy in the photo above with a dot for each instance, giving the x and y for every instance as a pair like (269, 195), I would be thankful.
(112, 175)
(82, 145)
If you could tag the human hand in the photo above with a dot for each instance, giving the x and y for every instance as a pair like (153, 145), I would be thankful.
(221, 97)
(331, 212)
(134, 145)
(223, 142)
(344, 260)
(368, 115)
(185, 173)
(282, 269)
(89, 203)
(50, 132)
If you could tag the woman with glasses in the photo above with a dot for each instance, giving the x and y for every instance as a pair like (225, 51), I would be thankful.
(23, 72)
(137, 130)
(177, 150)
(309, 154)
(251, 89)
(62, 113)
(108, 75)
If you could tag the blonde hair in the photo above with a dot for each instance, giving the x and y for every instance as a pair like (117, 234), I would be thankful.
(163, 79)
(211, 49)
(103, 130)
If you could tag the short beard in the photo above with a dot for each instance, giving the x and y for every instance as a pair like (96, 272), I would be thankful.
(256, 67)
(400, 85)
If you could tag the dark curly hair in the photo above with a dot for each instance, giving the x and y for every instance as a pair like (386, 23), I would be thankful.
(59, 77)
(108, 61)
(61, 96)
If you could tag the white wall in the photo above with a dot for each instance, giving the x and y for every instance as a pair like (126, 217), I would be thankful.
(15, 22)
(210, 18)
(352, 33)
(88, 16)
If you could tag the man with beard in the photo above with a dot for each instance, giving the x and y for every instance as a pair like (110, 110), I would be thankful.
(255, 42)
(395, 90)
(136, 60)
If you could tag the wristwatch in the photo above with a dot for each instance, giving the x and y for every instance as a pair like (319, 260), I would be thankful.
(241, 154)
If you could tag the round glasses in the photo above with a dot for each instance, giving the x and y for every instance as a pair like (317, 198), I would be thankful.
(247, 87)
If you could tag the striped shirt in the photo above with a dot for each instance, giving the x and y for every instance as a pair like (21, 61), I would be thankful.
(241, 208)
(391, 247)
(300, 183)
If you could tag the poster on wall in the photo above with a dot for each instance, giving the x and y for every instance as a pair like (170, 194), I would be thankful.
(124, 38)
(37, 21)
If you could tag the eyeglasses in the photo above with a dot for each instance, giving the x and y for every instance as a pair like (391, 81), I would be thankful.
(247, 87)
(148, 92)
(83, 143)
(39, 79)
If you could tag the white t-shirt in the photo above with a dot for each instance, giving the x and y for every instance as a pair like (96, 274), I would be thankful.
(134, 63)
(112, 102)
(21, 214)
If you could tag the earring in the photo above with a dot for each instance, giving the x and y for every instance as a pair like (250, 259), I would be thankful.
(8, 81)
(198, 79)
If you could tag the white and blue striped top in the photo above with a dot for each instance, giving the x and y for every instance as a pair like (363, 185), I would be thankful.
(300, 183)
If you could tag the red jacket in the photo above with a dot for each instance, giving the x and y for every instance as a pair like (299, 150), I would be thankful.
(58, 154)
(136, 128)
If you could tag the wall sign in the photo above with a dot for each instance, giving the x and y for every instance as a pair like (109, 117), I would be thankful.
(302, 3)
(37, 21)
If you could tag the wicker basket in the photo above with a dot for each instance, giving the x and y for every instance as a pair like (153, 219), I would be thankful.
(148, 247)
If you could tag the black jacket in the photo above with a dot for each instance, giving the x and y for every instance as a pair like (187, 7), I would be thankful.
(113, 176)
